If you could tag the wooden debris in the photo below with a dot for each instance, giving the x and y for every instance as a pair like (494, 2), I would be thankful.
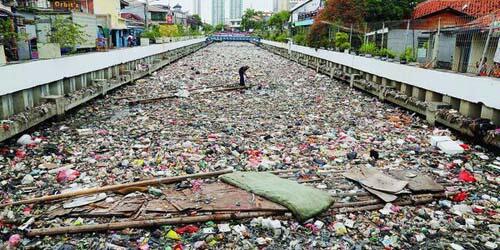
(146, 223)
(167, 180)
(150, 100)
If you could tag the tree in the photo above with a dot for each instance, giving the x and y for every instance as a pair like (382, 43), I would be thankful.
(169, 30)
(383, 10)
(66, 33)
(252, 20)
(345, 12)
(207, 28)
(342, 12)
(219, 27)
(195, 22)
(279, 20)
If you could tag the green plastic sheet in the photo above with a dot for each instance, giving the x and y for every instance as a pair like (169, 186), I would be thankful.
(304, 202)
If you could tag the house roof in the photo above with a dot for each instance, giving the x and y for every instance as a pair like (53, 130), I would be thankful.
(131, 16)
(300, 5)
(475, 8)
(485, 21)
(445, 10)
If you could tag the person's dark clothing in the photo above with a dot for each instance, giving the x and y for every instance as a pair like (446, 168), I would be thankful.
(242, 72)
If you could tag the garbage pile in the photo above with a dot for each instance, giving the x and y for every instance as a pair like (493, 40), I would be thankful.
(394, 182)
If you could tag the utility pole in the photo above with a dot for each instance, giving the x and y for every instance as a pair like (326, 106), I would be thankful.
(483, 55)
(146, 10)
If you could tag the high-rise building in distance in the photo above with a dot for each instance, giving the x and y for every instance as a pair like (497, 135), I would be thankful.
(197, 7)
(280, 5)
(218, 11)
(235, 9)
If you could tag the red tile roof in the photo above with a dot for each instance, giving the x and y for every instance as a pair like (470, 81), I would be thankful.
(475, 8)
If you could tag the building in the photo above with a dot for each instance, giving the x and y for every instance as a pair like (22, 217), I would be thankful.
(110, 23)
(293, 3)
(280, 5)
(180, 16)
(135, 24)
(235, 9)
(303, 14)
(34, 18)
(197, 7)
(218, 12)
(234, 24)
(157, 14)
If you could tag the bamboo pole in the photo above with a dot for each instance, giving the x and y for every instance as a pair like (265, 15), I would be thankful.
(143, 101)
(146, 223)
(167, 180)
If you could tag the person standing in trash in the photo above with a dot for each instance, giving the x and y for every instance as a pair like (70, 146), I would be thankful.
(243, 74)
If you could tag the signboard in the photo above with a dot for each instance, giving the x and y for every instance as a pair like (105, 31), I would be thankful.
(66, 4)
(170, 19)
(310, 10)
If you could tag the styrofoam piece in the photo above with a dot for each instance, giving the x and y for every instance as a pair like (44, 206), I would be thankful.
(435, 139)
(450, 147)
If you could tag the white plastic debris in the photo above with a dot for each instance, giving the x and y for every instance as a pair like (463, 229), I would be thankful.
(456, 246)
(450, 147)
(25, 140)
(223, 228)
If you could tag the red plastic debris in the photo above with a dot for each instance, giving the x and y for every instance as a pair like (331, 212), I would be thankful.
(466, 147)
(466, 176)
(20, 154)
(27, 211)
(6, 127)
(460, 196)
(14, 240)
(178, 247)
(477, 210)
(66, 175)
(187, 229)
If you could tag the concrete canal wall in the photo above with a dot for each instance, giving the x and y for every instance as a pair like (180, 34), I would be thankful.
(35, 91)
(433, 94)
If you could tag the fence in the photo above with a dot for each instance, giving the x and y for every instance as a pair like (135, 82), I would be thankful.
(450, 42)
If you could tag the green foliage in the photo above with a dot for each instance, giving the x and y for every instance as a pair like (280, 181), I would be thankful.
(342, 41)
(169, 31)
(207, 28)
(279, 20)
(408, 55)
(369, 48)
(300, 39)
(152, 32)
(252, 20)
(196, 21)
(66, 33)
(6, 32)
(282, 38)
(383, 10)
(387, 53)
(219, 27)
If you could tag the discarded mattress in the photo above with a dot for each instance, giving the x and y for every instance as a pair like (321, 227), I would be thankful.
(304, 202)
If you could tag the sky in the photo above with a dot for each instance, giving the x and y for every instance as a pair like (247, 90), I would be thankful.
(206, 6)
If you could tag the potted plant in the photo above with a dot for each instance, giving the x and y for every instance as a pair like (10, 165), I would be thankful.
(66, 34)
(369, 49)
(387, 54)
(342, 42)
(407, 56)
(7, 40)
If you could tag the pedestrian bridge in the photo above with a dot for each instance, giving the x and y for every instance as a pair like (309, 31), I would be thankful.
(232, 38)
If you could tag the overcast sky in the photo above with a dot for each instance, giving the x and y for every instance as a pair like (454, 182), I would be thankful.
(206, 6)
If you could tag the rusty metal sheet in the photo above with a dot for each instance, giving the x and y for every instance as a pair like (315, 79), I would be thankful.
(417, 182)
(375, 179)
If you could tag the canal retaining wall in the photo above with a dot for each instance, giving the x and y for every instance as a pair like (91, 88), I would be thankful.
(468, 104)
(36, 91)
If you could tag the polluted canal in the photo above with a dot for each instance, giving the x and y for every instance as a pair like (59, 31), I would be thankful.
(188, 159)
